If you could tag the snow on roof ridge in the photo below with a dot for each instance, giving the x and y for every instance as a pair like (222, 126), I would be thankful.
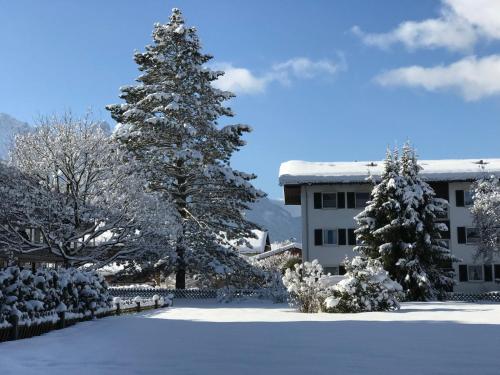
(299, 171)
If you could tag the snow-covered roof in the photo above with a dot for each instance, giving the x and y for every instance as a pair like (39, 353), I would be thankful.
(278, 250)
(258, 244)
(304, 172)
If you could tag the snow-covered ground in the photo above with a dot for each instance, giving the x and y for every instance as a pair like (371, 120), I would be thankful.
(255, 337)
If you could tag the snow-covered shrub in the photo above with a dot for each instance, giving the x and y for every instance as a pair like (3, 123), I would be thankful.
(366, 287)
(274, 267)
(29, 295)
(308, 286)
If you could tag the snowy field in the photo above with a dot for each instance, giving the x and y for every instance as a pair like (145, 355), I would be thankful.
(256, 337)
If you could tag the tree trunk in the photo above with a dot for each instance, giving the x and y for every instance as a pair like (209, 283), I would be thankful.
(180, 274)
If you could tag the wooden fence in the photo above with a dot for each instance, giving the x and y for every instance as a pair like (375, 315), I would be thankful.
(50, 321)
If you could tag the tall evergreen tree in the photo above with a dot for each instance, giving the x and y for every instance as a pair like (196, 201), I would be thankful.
(399, 228)
(169, 124)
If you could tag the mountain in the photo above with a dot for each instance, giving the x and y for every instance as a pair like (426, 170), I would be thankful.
(9, 127)
(282, 222)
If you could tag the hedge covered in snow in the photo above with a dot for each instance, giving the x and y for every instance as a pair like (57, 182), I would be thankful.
(35, 297)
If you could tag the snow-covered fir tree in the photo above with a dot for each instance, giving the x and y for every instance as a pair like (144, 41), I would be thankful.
(398, 227)
(486, 214)
(169, 123)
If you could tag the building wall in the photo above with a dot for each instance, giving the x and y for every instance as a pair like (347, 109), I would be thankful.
(331, 256)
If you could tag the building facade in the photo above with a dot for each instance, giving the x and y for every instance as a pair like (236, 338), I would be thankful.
(332, 194)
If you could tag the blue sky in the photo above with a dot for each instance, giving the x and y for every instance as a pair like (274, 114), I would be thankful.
(317, 80)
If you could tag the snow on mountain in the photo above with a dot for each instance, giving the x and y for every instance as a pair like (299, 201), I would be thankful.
(282, 222)
(9, 127)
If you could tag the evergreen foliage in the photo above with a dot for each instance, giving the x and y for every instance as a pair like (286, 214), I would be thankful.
(169, 124)
(486, 214)
(399, 228)
(366, 287)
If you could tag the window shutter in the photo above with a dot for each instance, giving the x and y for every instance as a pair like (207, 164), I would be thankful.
(341, 199)
(318, 237)
(351, 237)
(460, 198)
(461, 235)
(341, 270)
(342, 237)
(351, 200)
(488, 272)
(462, 272)
(318, 200)
(497, 271)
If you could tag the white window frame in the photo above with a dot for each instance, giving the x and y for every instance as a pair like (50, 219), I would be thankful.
(325, 235)
(481, 267)
(467, 236)
(336, 201)
(467, 192)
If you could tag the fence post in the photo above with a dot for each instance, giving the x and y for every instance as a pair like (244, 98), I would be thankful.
(138, 306)
(156, 303)
(118, 309)
(62, 319)
(15, 327)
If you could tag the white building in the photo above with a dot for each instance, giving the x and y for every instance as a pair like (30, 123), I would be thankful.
(331, 194)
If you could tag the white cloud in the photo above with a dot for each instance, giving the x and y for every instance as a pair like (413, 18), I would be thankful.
(239, 80)
(243, 81)
(473, 78)
(460, 25)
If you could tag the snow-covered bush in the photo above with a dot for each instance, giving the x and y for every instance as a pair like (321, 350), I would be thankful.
(307, 286)
(366, 287)
(29, 295)
(274, 267)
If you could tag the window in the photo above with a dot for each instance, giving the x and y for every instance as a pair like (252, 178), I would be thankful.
(34, 235)
(329, 200)
(475, 272)
(361, 199)
(472, 235)
(464, 198)
(468, 201)
(330, 236)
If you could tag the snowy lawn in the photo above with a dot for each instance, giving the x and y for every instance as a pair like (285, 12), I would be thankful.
(258, 338)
